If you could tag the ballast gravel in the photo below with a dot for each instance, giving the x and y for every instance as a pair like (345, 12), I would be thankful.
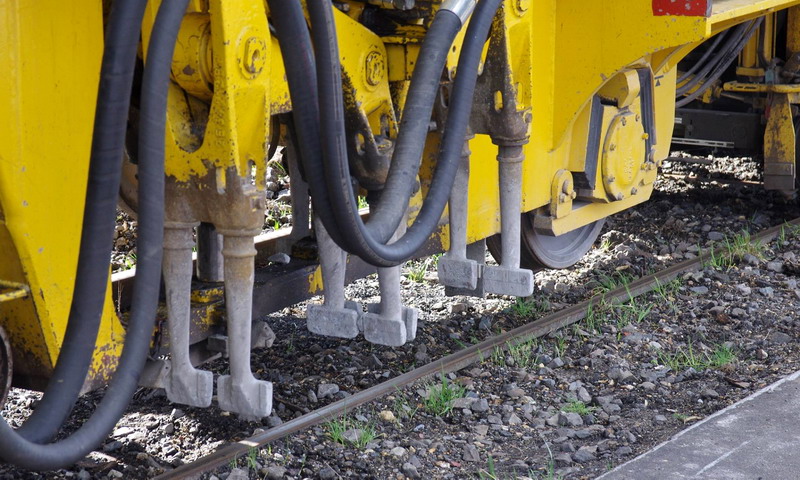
(571, 405)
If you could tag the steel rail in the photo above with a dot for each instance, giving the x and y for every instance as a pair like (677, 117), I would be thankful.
(457, 360)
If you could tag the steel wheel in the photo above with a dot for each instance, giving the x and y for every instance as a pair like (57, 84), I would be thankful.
(539, 251)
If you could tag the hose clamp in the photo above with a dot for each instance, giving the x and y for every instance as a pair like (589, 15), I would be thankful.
(461, 8)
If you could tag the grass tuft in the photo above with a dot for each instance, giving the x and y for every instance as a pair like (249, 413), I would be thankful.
(337, 428)
(439, 400)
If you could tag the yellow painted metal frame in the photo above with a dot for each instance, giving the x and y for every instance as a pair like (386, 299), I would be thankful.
(563, 53)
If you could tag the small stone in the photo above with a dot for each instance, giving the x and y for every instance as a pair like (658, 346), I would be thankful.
(709, 393)
(553, 421)
(750, 259)
(238, 474)
(516, 392)
(112, 446)
(570, 418)
(481, 405)
(284, 196)
(327, 473)
(494, 419)
(352, 435)
(276, 472)
(471, 453)
(280, 258)
(410, 470)
(563, 459)
(398, 451)
(738, 312)
(463, 402)
(648, 385)
(114, 474)
(122, 432)
(701, 290)
(766, 291)
(660, 418)
(387, 416)
(584, 454)
(374, 362)
(327, 390)
(620, 375)
(775, 266)
(513, 419)
(779, 337)
(556, 363)
(715, 236)
(84, 475)
(312, 397)
(169, 429)
(274, 420)
(583, 395)
(459, 307)
(622, 451)
(485, 323)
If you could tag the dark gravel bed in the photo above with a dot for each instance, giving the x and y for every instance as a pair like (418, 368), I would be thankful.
(576, 403)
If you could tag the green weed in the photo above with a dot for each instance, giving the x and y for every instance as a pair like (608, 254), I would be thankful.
(527, 307)
(578, 407)
(439, 400)
(685, 358)
(338, 427)
(252, 458)
(416, 269)
(403, 407)
(523, 353)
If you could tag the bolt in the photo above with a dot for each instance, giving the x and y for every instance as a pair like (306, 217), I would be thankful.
(562, 198)
(634, 191)
(624, 121)
(521, 6)
(374, 67)
(610, 179)
(573, 195)
(612, 147)
(637, 117)
(620, 196)
(254, 56)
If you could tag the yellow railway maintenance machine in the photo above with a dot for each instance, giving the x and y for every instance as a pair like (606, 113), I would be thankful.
(524, 122)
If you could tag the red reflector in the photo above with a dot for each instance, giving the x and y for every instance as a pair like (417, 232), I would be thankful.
(688, 8)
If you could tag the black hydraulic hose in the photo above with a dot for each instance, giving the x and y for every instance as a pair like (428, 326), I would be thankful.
(701, 61)
(408, 150)
(295, 44)
(723, 64)
(729, 46)
(102, 192)
(13, 447)
(412, 130)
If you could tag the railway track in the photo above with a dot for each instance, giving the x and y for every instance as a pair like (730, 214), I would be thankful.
(458, 360)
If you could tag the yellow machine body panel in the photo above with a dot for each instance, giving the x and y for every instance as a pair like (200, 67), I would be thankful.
(50, 57)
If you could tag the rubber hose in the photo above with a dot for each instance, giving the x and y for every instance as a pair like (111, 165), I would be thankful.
(102, 192)
(729, 46)
(13, 446)
(701, 61)
(723, 64)
(295, 44)
(410, 142)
